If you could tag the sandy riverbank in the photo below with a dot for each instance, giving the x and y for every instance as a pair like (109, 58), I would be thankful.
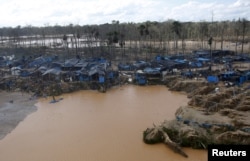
(14, 107)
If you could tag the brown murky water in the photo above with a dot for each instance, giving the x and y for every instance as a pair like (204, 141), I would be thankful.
(92, 126)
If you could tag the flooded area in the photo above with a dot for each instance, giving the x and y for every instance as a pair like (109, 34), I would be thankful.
(94, 126)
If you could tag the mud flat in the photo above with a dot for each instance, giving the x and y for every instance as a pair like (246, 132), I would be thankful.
(14, 107)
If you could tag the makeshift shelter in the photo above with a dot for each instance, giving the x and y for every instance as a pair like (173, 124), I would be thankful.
(82, 76)
(140, 77)
(70, 64)
(152, 72)
(212, 79)
(125, 67)
(140, 64)
(52, 74)
(40, 61)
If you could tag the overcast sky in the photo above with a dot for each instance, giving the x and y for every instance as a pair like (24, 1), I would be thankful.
(83, 12)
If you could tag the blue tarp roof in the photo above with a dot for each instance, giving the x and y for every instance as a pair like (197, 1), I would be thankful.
(151, 70)
(202, 59)
(95, 71)
(182, 61)
(55, 71)
(71, 62)
(212, 79)
(42, 69)
(40, 61)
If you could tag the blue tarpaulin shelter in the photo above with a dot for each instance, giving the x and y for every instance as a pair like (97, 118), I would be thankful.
(140, 77)
(126, 67)
(55, 71)
(212, 79)
(40, 61)
(101, 78)
(149, 70)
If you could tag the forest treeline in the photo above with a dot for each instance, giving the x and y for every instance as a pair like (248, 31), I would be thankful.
(235, 31)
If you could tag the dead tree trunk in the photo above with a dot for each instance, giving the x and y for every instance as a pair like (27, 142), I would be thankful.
(156, 135)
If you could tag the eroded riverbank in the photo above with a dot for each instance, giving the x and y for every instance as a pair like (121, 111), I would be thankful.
(215, 114)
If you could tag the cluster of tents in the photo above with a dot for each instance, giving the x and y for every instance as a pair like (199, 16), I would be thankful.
(52, 68)
(55, 68)
(200, 61)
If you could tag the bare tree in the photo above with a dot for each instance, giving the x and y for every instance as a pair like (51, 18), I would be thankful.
(244, 28)
(203, 32)
(176, 28)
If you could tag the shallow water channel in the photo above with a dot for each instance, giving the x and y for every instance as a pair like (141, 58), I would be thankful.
(93, 126)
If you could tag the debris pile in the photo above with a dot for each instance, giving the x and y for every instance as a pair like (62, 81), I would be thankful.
(217, 112)
(158, 134)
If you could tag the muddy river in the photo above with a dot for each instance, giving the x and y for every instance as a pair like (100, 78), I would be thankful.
(93, 126)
